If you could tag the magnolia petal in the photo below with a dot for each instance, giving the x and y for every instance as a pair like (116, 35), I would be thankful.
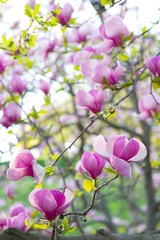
(99, 146)
(120, 166)
(110, 144)
(68, 201)
(39, 172)
(18, 173)
(142, 153)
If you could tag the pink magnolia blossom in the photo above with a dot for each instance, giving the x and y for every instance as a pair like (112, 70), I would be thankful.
(147, 105)
(4, 62)
(91, 100)
(16, 209)
(113, 29)
(119, 152)
(44, 86)
(18, 221)
(9, 190)
(25, 165)
(3, 220)
(112, 76)
(92, 164)
(11, 113)
(65, 14)
(17, 85)
(153, 64)
(50, 202)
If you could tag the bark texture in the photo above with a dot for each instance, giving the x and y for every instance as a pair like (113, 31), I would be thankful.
(17, 234)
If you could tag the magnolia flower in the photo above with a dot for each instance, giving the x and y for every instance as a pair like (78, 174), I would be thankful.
(65, 14)
(16, 209)
(92, 100)
(153, 64)
(92, 164)
(18, 221)
(25, 165)
(119, 152)
(112, 76)
(147, 105)
(44, 86)
(9, 190)
(114, 29)
(50, 202)
(11, 113)
(17, 85)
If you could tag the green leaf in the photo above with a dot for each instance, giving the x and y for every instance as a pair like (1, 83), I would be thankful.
(123, 57)
(76, 49)
(144, 29)
(31, 41)
(24, 34)
(76, 67)
(36, 9)
(134, 50)
(113, 114)
(88, 185)
(105, 2)
(28, 62)
(156, 85)
(155, 163)
(40, 226)
(110, 171)
(127, 84)
(4, 41)
(70, 229)
(27, 222)
(10, 132)
(27, 11)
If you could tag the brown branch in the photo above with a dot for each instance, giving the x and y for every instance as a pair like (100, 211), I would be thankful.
(17, 234)
(84, 213)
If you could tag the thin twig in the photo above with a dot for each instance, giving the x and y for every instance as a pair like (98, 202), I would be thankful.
(84, 213)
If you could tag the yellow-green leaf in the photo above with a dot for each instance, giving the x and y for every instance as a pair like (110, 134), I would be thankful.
(110, 171)
(113, 114)
(27, 222)
(88, 185)
(40, 226)
(123, 57)
(36, 9)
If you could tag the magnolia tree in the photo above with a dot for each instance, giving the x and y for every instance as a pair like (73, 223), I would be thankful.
(80, 100)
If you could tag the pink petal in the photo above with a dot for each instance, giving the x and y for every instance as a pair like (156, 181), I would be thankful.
(99, 146)
(130, 150)
(105, 46)
(85, 99)
(39, 172)
(118, 72)
(110, 144)
(68, 201)
(24, 159)
(58, 196)
(142, 153)
(120, 166)
(18, 173)
(87, 67)
(148, 102)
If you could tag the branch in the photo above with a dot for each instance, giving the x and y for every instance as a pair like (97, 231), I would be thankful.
(17, 234)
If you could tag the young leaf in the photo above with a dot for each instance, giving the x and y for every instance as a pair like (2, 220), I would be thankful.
(40, 226)
(88, 185)
(105, 2)
(123, 57)
(36, 9)
(110, 171)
